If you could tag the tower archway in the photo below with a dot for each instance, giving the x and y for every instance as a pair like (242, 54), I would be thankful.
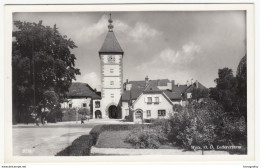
(113, 112)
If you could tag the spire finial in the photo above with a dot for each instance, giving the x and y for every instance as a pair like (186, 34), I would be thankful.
(110, 21)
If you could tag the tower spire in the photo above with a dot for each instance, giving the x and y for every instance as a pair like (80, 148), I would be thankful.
(110, 21)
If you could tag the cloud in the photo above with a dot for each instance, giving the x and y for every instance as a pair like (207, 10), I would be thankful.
(172, 64)
(142, 31)
(90, 78)
(137, 33)
(92, 32)
(172, 58)
(183, 56)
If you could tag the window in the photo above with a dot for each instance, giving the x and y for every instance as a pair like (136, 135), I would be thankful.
(148, 112)
(149, 100)
(156, 100)
(84, 105)
(97, 104)
(111, 82)
(70, 105)
(161, 112)
(112, 95)
(111, 70)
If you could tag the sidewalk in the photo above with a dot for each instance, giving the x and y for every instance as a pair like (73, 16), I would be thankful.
(73, 123)
(125, 151)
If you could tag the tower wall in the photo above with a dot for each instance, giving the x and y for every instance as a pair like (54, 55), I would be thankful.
(111, 81)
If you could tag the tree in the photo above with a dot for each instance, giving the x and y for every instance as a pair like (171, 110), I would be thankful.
(197, 125)
(42, 61)
(231, 91)
(198, 93)
(225, 91)
(242, 86)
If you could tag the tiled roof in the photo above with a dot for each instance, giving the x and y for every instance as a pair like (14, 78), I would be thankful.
(111, 44)
(152, 87)
(138, 87)
(180, 88)
(136, 92)
(126, 95)
(78, 89)
(200, 86)
(173, 95)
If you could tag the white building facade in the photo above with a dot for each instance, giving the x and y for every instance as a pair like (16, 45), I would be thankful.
(133, 100)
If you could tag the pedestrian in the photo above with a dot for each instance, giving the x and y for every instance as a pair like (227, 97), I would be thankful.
(82, 120)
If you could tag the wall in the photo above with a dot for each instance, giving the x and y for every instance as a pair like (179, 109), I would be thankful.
(96, 108)
(164, 104)
(125, 109)
(77, 103)
(106, 77)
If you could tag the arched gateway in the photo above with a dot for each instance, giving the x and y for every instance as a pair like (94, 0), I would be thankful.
(113, 112)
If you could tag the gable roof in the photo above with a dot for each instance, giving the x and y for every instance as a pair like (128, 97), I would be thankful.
(78, 89)
(111, 44)
(191, 87)
(173, 95)
(151, 88)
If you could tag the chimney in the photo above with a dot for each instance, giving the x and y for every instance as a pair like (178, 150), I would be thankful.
(146, 80)
(173, 84)
(191, 81)
(197, 84)
(178, 84)
(126, 81)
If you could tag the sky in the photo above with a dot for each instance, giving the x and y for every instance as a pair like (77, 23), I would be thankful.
(177, 45)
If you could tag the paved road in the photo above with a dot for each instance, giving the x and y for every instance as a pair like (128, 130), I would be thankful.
(44, 141)
(31, 140)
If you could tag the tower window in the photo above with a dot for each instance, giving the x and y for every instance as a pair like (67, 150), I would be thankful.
(112, 95)
(111, 70)
(111, 82)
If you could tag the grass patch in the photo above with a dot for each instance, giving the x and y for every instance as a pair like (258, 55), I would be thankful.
(97, 130)
(79, 147)
(113, 139)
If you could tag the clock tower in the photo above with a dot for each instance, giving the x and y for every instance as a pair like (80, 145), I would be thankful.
(111, 59)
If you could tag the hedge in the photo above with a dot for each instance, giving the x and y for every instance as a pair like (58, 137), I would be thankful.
(97, 130)
(79, 147)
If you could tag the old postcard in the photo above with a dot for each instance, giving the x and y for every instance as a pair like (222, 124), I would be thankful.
(140, 82)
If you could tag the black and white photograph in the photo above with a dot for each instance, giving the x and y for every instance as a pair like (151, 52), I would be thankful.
(134, 82)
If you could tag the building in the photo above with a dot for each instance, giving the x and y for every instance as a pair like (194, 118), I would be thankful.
(137, 100)
(81, 95)
(133, 100)
(111, 59)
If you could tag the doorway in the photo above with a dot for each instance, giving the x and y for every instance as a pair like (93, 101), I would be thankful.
(113, 112)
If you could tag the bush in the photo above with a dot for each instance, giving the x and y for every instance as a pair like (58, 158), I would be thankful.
(147, 137)
(79, 147)
(70, 115)
(84, 111)
(195, 125)
(97, 130)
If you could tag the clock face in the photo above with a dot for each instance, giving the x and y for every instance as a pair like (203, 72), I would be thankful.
(111, 59)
